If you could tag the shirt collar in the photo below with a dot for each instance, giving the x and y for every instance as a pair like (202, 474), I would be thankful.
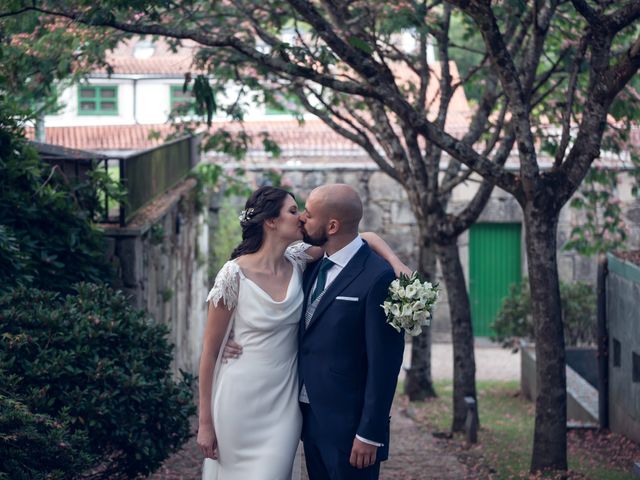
(346, 253)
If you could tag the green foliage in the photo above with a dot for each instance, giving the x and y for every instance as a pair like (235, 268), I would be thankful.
(156, 235)
(467, 50)
(603, 227)
(101, 368)
(515, 320)
(227, 236)
(38, 446)
(46, 239)
(40, 56)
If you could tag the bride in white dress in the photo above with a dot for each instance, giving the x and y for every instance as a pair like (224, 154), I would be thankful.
(249, 417)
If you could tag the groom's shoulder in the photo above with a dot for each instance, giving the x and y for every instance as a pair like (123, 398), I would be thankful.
(375, 265)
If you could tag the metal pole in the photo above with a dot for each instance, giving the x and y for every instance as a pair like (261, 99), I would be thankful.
(122, 182)
(603, 344)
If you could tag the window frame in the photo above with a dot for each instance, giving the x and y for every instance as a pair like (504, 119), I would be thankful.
(172, 98)
(98, 99)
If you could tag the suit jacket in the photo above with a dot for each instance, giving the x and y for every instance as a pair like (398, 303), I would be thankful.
(349, 357)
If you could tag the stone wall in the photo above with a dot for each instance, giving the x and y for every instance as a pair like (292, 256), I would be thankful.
(623, 304)
(388, 213)
(161, 259)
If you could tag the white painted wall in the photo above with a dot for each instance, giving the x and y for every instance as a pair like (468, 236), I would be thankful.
(152, 99)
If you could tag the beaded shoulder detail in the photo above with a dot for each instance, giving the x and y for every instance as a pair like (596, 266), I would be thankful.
(297, 253)
(226, 286)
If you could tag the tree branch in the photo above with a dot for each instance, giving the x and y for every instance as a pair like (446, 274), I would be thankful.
(566, 114)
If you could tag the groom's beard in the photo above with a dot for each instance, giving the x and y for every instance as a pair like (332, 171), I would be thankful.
(316, 241)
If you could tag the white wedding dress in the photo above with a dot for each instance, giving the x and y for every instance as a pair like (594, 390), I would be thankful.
(255, 409)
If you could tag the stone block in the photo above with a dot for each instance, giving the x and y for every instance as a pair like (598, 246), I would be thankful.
(314, 179)
(401, 213)
(383, 187)
(130, 254)
(373, 218)
(566, 267)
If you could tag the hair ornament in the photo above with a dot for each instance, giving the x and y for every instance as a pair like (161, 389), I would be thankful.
(245, 215)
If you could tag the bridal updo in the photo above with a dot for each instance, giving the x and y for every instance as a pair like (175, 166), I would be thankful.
(263, 204)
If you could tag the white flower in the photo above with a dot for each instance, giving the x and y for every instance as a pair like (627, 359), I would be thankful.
(409, 303)
(396, 327)
(418, 305)
(415, 331)
(406, 310)
(411, 290)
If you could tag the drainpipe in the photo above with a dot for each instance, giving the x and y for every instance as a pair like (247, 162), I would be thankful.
(135, 101)
(40, 134)
(603, 344)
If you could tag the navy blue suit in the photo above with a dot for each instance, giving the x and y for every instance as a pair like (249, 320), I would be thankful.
(349, 360)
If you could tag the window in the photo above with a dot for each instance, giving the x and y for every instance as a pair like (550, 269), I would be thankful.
(94, 100)
(617, 354)
(635, 363)
(180, 99)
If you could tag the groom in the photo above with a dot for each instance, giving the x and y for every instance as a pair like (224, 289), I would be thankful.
(349, 357)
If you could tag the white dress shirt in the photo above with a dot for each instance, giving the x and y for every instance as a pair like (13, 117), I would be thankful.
(340, 260)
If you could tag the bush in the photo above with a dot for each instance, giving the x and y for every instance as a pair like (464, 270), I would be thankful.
(37, 446)
(46, 239)
(95, 360)
(515, 321)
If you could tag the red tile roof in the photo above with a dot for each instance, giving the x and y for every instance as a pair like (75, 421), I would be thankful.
(311, 138)
(163, 61)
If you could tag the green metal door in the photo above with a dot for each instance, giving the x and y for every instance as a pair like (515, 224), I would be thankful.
(494, 264)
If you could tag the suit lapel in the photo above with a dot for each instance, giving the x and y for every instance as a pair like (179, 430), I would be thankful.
(348, 274)
(309, 275)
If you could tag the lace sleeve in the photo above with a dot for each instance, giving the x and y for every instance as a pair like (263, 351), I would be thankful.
(225, 287)
(297, 253)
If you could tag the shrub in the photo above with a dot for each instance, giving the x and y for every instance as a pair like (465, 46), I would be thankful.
(95, 360)
(514, 321)
(46, 239)
(38, 446)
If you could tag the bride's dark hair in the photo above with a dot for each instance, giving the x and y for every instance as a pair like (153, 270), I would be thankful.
(263, 204)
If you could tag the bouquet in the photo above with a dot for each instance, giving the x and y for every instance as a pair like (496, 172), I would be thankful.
(410, 303)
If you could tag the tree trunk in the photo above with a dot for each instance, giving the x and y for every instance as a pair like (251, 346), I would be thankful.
(550, 436)
(464, 364)
(418, 383)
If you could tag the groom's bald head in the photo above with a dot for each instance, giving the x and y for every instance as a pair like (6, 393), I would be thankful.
(341, 202)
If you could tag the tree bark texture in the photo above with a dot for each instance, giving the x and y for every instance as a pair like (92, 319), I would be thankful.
(418, 382)
(464, 365)
(550, 439)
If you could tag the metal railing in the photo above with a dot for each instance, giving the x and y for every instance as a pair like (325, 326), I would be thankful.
(144, 176)
(148, 174)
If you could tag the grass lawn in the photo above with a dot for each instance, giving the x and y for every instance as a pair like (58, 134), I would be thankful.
(506, 436)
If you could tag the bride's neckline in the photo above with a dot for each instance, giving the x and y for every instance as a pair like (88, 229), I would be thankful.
(262, 290)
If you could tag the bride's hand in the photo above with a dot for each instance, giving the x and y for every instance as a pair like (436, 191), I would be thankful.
(207, 441)
(399, 267)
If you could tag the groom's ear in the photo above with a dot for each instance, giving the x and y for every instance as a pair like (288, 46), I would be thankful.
(333, 227)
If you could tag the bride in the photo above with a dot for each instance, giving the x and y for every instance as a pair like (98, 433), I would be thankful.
(249, 416)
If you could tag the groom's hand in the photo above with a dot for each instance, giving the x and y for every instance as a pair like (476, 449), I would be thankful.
(362, 454)
(231, 350)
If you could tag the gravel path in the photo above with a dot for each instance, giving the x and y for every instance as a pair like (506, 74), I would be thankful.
(415, 455)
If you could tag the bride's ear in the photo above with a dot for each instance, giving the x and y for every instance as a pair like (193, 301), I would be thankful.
(271, 224)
